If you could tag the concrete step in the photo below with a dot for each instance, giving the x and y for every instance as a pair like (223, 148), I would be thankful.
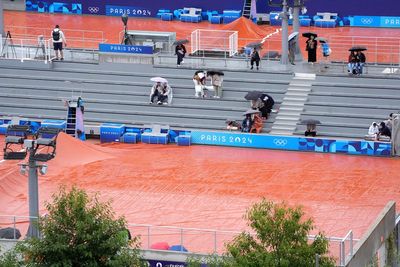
(289, 113)
(298, 98)
(291, 108)
(286, 118)
(277, 132)
(297, 93)
(283, 128)
(304, 76)
(285, 123)
(292, 103)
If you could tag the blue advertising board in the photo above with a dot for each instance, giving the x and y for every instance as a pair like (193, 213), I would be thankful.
(352, 147)
(376, 21)
(131, 49)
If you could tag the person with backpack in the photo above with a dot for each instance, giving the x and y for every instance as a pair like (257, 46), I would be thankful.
(58, 41)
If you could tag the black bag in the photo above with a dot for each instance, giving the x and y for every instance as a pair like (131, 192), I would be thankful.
(56, 35)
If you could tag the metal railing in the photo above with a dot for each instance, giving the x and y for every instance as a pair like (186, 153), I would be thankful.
(25, 49)
(206, 241)
(196, 240)
(75, 38)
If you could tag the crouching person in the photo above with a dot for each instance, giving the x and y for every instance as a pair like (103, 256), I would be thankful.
(162, 93)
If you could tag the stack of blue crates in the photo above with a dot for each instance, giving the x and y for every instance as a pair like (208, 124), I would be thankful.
(130, 138)
(184, 140)
(111, 132)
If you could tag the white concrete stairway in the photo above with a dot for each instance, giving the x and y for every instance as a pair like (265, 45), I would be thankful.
(293, 104)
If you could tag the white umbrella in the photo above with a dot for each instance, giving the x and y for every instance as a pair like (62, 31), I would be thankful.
(158, 80)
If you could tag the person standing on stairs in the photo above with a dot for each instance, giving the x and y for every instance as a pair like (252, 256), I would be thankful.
(255, 57)
(59, 39)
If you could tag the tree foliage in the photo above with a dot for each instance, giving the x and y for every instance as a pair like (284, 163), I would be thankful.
(280, 239)
(79, 230)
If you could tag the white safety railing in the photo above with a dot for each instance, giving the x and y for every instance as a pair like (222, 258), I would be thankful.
(25, 49)
(75, 38)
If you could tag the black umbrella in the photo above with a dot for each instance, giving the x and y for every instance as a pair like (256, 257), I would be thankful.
(358, 48)
(310, 122)
(182, 41)
(198, 71)
(8, 233)
(254, 45)
(253, 95)
(212, 72)
(309, 34)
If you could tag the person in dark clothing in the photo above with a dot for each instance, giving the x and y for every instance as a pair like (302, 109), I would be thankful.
(384, 130)
(180, 52)
(352, 63)
(311, 47)
(247, 124)
(255, 57)
(360, 61)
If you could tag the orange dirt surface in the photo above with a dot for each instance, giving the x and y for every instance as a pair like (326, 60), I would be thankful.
(211, 187)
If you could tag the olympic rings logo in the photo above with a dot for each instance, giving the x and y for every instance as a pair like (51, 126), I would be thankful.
(93, 9)
(280, 142)
(367, 20)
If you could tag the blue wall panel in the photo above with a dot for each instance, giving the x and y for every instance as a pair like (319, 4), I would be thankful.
(352, 147)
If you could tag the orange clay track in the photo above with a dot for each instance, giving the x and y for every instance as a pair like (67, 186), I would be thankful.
(385, 49)
(211, 187)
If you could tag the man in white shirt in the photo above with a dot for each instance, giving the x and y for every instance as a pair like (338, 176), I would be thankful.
(58, 41)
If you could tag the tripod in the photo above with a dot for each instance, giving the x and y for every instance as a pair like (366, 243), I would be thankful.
(8, 41)
(41, 47)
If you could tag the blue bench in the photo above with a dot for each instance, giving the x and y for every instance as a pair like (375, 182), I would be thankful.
(231, 15)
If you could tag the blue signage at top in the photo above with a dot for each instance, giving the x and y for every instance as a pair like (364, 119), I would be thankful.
(131, 11)
(376, 21)
(131, 49)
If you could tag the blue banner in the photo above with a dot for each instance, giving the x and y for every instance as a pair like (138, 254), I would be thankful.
(131, 11)
(376, 21)
(352, 147)
(131, 49)
(245, 140)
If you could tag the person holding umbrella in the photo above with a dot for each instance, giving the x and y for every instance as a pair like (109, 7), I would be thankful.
(252, 123)
(311, 127)
(161, 90)
(311, 46)
(180, 52)
(261, 102)
(361, 61)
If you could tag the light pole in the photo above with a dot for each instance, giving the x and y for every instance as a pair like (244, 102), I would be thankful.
(284, 15)
(16, 137)
(1, 19)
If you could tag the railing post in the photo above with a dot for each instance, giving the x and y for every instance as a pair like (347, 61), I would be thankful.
(316, 260)
(351, 243)
(215, 241)
(148, 237)
(342, 253)
(181, 239)
(15, 236)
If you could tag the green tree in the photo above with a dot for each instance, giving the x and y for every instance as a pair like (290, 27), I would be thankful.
(79, 230)
(280, 239)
